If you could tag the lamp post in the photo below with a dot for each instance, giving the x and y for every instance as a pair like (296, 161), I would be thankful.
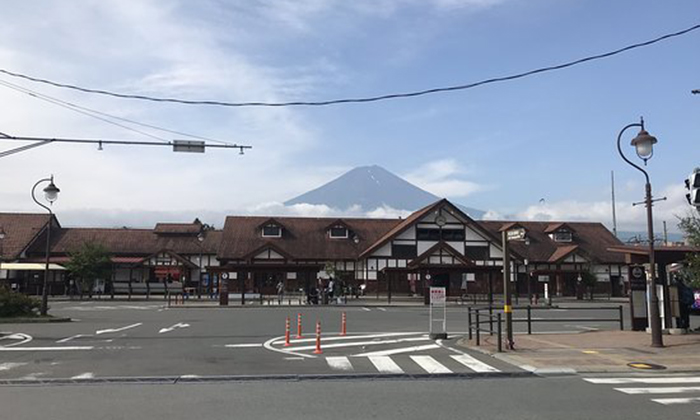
(51, 195)
(644, 146)
(200, 240)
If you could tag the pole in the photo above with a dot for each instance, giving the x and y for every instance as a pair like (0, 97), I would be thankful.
(614, 215)
(318, 338)
(298, 326)
(507, 304)
(45, 288)
(344, 324)
(655, 321)
(287, 342)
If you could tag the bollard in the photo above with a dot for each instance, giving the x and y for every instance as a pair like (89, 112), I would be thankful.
(490, 320)
(478, 326)
(298, 326)
(318, 338)
(469, 322)
(343, 324)
(500, 339)
(622, 322)
(287, 343)
(529, 319)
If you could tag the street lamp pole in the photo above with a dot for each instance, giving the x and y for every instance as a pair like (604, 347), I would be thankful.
(51, 194)
(200, 240)
(643, 144)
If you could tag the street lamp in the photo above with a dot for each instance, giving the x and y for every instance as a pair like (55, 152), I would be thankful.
(644, 145)
(51, 195)
(200, 240)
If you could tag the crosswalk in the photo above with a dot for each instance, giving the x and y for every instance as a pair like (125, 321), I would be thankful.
(665, 390)
(452, 363)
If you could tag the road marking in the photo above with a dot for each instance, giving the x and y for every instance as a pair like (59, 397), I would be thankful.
(245, 345)
(397, 351)
(10, 365)
(86, 375)
(339, 363)
(190, 376)
(473, 363)
(178, 325)
(64, 348)
(430, 365)
(663, 390)
(268, 345)
(113, 330)
(17, 336)
(664, 380)
(64, 340)
(294, 358)
(667, 401)
(382, 309)
(366, 309)
(384, 364)
(349, 337)
(361, 343)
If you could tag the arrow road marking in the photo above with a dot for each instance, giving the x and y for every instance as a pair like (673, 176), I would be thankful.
(113, 330)
(178, 325)
(17, 336)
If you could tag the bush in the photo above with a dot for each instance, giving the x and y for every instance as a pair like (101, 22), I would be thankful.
(13, 304)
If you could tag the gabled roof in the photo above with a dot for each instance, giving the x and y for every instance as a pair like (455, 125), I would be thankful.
(304, 238)
(592, 240)
(562, 252)
(269, 245)
(441, 245)
(553, 227)
(179, 228)
(184, 261)
(21, 230)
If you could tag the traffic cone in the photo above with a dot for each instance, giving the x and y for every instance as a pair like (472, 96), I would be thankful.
(298, 326)
(318, 338)
(287, 343)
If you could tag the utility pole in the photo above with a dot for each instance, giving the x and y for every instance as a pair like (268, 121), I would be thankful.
(614, 216)
(665, 234)
(507, 306)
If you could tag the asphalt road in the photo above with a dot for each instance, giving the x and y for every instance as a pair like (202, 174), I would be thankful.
(146, 339)
(533, 398)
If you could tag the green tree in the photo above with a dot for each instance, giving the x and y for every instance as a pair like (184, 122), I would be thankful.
(589, 281)
(690, 225)
(89, 263)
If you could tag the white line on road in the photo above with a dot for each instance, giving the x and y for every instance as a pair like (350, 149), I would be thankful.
(473, 363)
(86, 375)
(384, 364)
(398, 351)
(382, 309)
(361, 343)
(339, 363)
(10, 365)
(64, 348)
(667, 401)
(663, 380)
(17, 336)
(178, 325)
(245, 345)
(72, 337)
(113, 330)
(349, 337)
(430, 365)
(268, 345)
(662, 390)
(366, 309)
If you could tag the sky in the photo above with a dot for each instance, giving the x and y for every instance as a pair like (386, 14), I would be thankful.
(538, 148)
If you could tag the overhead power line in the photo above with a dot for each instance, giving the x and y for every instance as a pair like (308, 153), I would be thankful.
(359, 99)
(99, 115)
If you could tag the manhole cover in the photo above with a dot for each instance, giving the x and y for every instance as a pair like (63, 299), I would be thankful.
(646, 366)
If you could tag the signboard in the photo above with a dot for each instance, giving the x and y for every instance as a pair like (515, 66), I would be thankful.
(188, 146)
(515, 234)
(638, 278)
(438, 295)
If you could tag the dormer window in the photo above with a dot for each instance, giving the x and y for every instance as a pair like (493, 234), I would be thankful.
(271, 231)
(562, 236)
(339, 232)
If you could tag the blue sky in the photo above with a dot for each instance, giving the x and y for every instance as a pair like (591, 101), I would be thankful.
(500, 148)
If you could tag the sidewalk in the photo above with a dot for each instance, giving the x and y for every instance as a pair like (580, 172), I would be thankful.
(598, 351)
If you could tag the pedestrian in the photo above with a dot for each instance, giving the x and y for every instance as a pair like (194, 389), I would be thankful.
(331, 285)
(280, 292)
(686, 299)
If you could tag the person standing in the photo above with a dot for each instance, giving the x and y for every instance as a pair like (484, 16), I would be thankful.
(280, 292)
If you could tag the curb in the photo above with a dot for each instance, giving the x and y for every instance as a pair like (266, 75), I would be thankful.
(172, 380)
(33, 320)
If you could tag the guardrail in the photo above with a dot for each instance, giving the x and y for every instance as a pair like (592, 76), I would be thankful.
(476, 315)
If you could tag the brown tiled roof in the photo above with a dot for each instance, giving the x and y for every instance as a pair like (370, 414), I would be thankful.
(553, 227)
(178, 228)
(592, 239)
(133, 241)
(20, 230)
(303, 238)
(562, 252)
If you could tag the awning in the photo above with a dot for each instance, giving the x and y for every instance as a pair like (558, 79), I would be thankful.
(30, 267)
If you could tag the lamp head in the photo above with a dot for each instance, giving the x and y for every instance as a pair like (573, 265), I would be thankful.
(644, 145)
(2, 233)
(51, 192)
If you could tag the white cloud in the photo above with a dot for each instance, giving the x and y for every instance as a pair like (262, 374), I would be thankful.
(444, 178)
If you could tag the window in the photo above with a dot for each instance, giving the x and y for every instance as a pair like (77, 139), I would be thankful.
(404, 251)
(339, 232)
(437, 234)
(562, 236)
(272, 231)
(474, 253)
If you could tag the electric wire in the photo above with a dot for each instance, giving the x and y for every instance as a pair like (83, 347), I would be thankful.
(69, 105)
(358, 99)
